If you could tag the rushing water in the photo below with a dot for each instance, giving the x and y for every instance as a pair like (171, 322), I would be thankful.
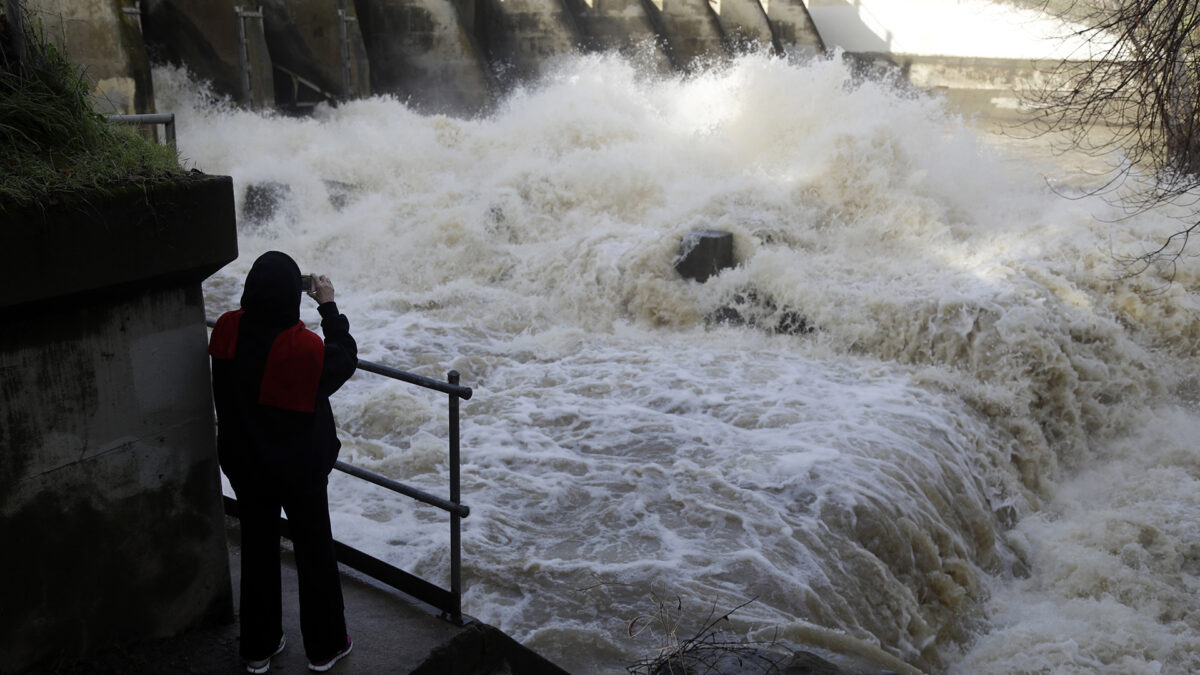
(983, 460)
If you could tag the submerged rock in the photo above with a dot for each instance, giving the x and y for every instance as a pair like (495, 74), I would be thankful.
(261, 201)
(704, 253)
(750, 308)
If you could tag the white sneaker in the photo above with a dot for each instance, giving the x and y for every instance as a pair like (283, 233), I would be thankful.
(322, 666)
(263, 665)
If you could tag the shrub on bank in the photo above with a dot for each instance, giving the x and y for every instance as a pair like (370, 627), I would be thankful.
(52, 141)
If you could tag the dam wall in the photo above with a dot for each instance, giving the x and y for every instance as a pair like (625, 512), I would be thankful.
(110, 499)
(217, 42)
(522, 37)
(441, 57)
(692, 32)
(459, 57)
(423, 51)
(631, 27)
(105, 38)
(320, 41)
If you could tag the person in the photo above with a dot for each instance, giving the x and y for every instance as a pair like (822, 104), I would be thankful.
(276, 442)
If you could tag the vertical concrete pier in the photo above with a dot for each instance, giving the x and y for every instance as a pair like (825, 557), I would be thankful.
(423, 51)
(519, 37)
(631, 27)
(219, 40)
(792, 28)
(110, 501)
(693, 31)
(320, 41)
(744, 24)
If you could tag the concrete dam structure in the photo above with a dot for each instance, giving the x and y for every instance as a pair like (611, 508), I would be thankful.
(441, 56)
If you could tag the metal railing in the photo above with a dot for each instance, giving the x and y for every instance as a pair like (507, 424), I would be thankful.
(344, 20)
(165, 119)
(297, 82)
(244, 64)
(449, 601)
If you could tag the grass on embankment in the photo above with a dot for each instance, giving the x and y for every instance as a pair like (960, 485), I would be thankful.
(52, 143)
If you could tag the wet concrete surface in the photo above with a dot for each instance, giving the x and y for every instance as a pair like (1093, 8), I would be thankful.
(392, 633)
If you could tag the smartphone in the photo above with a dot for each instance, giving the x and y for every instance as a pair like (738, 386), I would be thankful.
(306, 283)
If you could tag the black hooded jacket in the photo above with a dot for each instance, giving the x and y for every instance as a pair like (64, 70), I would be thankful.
(273, 432)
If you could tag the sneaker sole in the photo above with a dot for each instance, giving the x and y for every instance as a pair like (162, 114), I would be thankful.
(329, 664)
(264, 667)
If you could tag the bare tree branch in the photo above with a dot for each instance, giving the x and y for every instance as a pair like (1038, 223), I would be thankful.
(1135, 90)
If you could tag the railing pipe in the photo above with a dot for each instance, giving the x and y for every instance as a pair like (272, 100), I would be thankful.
(461, 510)
(455, 519)
(165, 119)
(450, 388)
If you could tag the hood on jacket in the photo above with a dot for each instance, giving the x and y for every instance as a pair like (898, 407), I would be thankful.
(272, 291)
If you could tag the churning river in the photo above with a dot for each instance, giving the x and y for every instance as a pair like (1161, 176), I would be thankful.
(984, 459)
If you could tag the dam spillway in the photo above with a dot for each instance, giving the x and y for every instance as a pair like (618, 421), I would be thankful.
(440, 56)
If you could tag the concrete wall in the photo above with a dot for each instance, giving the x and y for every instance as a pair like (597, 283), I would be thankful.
(519, 38)
(107, 42)
(451, 56)
(986, 89)
(631, 27)
(203, 35)
(424, 51)
(110, 502)
(304, 36)
(792, 27)
(691, 29)
(744, 24)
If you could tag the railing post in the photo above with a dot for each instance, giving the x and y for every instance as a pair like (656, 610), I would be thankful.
(243, 55)
(344, 18)
(455, 520)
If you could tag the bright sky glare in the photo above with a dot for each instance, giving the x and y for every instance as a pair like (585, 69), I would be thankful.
(971, 28)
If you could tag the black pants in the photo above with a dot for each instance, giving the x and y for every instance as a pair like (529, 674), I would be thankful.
(322, 613)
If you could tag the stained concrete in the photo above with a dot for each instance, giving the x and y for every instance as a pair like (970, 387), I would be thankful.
(792, 28)
(305, 37)
(106, 41)
(203, 36)
(107, 474)
(90, 244)
(109, 490)
(632, 27)
(693, 31)
(424, 52)
(521, 38)
(744, 24)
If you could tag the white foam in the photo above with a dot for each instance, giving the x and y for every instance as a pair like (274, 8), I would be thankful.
(976, 350)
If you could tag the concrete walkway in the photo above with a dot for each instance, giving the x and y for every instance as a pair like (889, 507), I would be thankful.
(392, 633)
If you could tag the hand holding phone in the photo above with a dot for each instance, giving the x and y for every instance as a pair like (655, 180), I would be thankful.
(321, 289)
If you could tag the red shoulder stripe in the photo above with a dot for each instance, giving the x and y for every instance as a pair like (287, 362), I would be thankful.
(293, 370)
(223, 343)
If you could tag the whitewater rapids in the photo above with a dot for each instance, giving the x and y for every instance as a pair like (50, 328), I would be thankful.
(983, 460)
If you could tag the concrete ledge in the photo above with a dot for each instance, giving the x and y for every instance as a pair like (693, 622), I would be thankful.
(163, 233)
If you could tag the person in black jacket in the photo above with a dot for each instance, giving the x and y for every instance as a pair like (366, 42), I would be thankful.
(272, 379)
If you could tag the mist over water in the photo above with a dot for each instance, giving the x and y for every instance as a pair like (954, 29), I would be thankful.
(981, 461)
